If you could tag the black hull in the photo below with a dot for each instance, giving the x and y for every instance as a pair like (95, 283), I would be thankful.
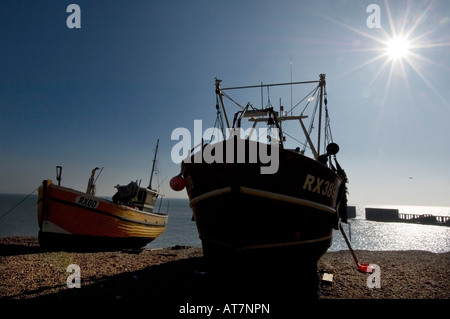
(70, 242)
(289, 215)
(250, 228)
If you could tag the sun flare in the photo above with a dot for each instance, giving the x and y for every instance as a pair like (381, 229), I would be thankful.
(397, 48)
(400, 48)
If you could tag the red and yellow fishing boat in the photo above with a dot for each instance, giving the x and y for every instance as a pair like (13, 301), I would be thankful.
(73, 219)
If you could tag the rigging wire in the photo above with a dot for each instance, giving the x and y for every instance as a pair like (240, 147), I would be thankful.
(298, 141)
(313, 94)
(228, 97)
(306, 96)
(328, 133)
(98, 175)
(157, 173)
(310, 97)
(19, 203)
(313, 116)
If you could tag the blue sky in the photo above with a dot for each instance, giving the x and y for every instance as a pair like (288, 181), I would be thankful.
(103, 94)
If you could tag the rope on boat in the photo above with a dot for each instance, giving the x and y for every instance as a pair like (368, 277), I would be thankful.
(15, 206)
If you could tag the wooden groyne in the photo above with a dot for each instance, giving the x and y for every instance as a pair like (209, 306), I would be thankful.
(393, 215)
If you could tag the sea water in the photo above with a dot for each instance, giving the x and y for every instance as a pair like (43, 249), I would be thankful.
(181, 230)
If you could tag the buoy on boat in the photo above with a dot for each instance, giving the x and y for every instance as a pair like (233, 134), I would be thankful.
(332, 149)
(177, 183)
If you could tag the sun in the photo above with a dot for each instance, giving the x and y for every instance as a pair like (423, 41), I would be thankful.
(401, 46)
(398, 48)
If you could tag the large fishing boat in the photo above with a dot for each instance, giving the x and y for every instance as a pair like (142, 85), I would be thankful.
(254, 199)
(73, 219)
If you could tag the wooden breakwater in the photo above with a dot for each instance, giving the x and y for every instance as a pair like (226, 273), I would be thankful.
(351, 212)
(382, 214)
(393, 215)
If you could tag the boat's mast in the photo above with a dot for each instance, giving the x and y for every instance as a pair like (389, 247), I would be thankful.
(219, 93)
(153, 166)
(322, 85)
(91, 186)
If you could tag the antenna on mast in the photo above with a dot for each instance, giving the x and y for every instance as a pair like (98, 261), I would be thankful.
(291, 85)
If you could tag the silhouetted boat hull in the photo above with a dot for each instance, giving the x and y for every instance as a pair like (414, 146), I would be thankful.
(240, 211)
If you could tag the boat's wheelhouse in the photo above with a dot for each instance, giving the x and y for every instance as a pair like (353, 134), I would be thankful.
(145, 199)
(135, 196)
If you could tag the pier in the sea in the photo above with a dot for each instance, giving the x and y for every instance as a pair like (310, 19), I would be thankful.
(393, 215)
(425, 219)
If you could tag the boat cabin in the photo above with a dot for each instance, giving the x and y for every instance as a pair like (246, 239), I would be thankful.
(135, 196)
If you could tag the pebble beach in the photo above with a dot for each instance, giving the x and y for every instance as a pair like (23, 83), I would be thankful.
(28, 272)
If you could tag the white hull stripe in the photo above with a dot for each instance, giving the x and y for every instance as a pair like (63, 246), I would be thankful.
(49, 227)
(214, 193)
(292, 243)
(264, 194)
(250, 247)
(287, 199)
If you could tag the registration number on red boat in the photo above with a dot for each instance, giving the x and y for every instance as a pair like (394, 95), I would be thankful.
(86, 202)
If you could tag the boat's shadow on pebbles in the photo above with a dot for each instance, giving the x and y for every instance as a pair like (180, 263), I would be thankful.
(193, 281)
(12, 246)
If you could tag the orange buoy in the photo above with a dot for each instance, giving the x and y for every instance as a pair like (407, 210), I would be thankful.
(177, 183)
